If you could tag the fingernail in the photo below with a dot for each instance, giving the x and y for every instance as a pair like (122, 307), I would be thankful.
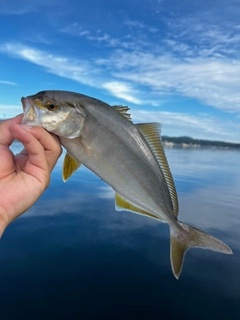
(25, 127)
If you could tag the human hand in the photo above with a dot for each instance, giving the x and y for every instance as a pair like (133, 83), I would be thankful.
(25, 176)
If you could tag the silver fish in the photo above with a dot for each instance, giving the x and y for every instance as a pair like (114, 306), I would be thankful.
(129, 157)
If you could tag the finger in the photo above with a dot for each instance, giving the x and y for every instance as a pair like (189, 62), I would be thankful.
(6, 137)
(50, 143)
(52, 156)
(35, 150)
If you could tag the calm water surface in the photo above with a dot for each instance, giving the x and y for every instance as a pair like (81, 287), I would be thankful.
(72, 256)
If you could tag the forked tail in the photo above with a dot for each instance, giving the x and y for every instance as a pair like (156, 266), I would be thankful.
(188, 238)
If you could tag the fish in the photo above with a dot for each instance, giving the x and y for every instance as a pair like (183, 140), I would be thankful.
(128, 157)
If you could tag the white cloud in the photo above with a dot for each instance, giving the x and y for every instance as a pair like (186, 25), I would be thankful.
(75, 29)
(213, 81)
(208, 31)
(65, 67)
(121, 90)
(201, 126)
(139, 25)
(128, 41)
(8, 82)
(79, 70)
(39, 38)
(197, 58)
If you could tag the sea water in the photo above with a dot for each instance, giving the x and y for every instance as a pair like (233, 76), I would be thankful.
(72, 256)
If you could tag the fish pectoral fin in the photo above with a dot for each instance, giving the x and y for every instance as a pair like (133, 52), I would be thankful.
(70, 165)
(84, 146)
(122, 204)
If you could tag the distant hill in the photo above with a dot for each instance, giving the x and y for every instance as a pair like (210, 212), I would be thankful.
(185, 142)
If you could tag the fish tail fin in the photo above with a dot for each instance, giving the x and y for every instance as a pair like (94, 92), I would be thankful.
(191, 237)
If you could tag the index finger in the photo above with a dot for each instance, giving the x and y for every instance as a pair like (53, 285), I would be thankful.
(45, 144)
(6, 137)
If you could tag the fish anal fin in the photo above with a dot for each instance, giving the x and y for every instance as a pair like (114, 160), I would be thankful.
(70, 165)
(122, 204)
(123, 110)
(152, 134)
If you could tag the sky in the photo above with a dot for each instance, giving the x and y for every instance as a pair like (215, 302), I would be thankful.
(173, 62)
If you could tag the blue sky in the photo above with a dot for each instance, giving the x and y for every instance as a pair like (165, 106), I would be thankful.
(174, 62)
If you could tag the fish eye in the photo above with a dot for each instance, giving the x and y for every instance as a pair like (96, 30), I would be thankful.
(51, 106)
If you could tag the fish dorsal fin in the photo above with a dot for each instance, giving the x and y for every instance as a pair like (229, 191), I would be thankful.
(151, 132)
(122, 204)
(123, 110)
(70, 165)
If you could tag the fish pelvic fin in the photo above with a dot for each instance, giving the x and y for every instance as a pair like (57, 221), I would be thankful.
(191, 237)
(70, 165)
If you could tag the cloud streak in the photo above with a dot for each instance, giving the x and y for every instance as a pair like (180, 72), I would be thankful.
(192, 58)
(61, 66)
(212, 81)
(122, 91)
(185, 124)
(10, 83)
(82, 71)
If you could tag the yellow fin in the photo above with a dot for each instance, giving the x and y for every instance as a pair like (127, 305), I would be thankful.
(190, 237)
(70, 165)
(151, 132)
(123, 204)
(123, 110)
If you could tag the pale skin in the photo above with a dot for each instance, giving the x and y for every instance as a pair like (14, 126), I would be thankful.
(24, 177)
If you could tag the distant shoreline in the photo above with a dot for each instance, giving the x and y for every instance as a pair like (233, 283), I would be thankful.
(187, 142)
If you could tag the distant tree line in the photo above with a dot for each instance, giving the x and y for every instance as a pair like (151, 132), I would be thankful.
(201, 142)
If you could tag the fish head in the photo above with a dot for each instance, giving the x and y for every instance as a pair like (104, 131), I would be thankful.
(55, 112)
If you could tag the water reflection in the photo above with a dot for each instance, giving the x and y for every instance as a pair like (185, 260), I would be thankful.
(72, 255)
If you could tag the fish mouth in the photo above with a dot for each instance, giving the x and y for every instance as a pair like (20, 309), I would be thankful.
(31, 111)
